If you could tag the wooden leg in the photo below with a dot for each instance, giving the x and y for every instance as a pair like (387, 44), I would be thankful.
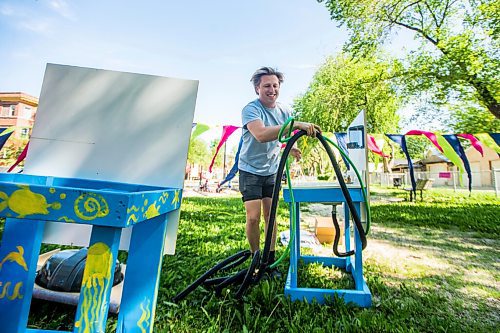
(93, 307)
(142, 276)
(19, 251)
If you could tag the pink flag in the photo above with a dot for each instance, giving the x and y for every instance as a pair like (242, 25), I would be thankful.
(372, 145)
(473, 141)
(227, 130)
(20, 158)
(431, 136)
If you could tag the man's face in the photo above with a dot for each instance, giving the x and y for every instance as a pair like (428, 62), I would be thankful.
(268, 90)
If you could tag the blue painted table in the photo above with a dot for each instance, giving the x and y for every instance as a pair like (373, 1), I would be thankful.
(27, 202)
(361, 295)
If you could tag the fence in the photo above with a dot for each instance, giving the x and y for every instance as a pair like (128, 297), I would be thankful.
(484, 179)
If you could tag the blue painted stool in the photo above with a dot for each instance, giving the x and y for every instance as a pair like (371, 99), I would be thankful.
(28, 201)
(359, 296)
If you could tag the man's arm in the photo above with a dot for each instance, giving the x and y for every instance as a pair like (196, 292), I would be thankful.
(264, 133)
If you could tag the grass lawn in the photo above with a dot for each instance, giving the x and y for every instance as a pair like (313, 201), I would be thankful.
(431, 266)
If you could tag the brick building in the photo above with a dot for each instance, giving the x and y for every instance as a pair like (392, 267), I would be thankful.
(18, 109)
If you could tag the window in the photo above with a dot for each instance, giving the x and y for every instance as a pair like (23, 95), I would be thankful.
(356, 137)
(26, 114)
(5, 111)
(25, 132)
(8, 110)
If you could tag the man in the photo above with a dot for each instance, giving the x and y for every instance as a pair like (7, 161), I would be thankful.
(258, 163)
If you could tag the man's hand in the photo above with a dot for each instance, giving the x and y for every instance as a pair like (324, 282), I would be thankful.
(295, 152)
(310, 128)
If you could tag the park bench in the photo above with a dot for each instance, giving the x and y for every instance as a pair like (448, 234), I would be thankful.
(422, 185)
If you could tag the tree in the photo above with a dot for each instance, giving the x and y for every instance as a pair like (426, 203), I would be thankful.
(12, 149)
(198, 152)
(417, 146)
(459, 43)
(472, 119)
(340, 89)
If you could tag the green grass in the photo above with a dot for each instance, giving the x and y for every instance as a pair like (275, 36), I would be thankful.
(431, 266)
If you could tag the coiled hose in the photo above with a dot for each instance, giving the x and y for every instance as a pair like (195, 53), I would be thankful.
(260, 261)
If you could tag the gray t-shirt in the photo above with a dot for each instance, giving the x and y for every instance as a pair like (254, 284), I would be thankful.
(261, 158)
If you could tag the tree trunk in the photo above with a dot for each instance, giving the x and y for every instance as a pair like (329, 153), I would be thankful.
(385, 161)
(485, 96)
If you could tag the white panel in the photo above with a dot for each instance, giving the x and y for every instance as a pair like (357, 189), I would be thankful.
(112, 126)
(357, 148)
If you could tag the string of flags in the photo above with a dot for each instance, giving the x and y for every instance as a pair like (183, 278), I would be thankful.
(449, 145)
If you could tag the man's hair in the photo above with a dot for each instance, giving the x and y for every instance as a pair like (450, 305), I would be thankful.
(265, 71)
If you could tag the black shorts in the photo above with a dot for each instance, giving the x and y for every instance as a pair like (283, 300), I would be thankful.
(254, 187)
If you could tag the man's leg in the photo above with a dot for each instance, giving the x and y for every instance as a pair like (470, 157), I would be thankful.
(266, 208)
(252, 208)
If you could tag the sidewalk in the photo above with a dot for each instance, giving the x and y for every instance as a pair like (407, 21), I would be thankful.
(196, 192)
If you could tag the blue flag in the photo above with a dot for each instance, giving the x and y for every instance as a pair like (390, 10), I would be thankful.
(342, 141)
(496, 137)
(457, 147)
(4, 137)
(234, 170)
(401, 140)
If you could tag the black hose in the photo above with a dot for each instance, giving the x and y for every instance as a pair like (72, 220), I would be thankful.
(336, 238)
(209, 273)
(236, 263)
(345, 192)
(249, 277)
(236, 278)
(260, 262)
(277, 188)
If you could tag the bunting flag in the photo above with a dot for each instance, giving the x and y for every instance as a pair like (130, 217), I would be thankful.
(452, 139)
(234, 170)
(449, 145)
(496, 137)
(401, 141)
(5, 135)
(342, 143)
(488, 141)
(331, 137)
(431, 136)
(227, 130)
(473, 141)
(450, 154)
(372, 145)
(199, 128)
(8, 130)
(20, 158)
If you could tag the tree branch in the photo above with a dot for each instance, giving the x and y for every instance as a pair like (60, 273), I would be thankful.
(432, 14)
(404, 9)
(392, 8)
(419, 9)
(420, 31)
(448, 5)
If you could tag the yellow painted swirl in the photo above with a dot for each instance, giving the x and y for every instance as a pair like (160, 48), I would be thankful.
(90, 206)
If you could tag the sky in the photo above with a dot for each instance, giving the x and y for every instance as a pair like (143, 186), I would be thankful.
(220, 43)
